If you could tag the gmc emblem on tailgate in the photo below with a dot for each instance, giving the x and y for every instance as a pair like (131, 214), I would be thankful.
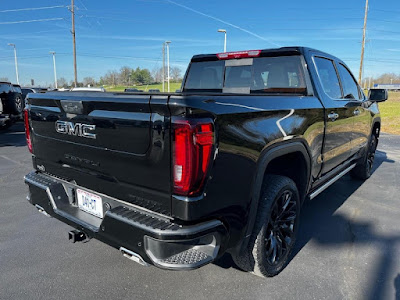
(77, 129)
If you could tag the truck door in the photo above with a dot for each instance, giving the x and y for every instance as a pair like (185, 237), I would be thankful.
(338, 115)
(360, 115)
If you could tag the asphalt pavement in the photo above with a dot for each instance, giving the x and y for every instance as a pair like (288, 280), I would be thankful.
(348, 246)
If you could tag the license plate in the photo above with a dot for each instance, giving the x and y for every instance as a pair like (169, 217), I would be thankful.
(90, 203)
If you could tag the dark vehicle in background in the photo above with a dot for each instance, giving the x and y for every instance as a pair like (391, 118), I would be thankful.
(27, 90)
(11, 97)
(132, 90)
(154, 91)
(176, 180)
(11, 103)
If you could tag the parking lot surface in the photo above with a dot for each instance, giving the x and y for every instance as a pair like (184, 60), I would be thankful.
(348, 246)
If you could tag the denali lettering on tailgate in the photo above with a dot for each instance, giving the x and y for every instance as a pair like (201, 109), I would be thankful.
(77, 129)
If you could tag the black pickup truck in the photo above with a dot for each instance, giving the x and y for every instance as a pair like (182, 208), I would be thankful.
(11, 104)
(176, 180)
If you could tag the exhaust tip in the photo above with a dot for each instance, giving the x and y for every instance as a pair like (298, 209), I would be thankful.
(133, 256)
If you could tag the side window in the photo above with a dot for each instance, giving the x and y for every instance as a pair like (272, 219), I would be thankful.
(4, 88)
(328, 77)
(350, 89)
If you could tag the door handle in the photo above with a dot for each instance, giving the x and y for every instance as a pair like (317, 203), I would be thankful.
(356, 112)
(333, 116)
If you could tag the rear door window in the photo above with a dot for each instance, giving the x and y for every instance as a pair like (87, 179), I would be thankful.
(17, 89)
(328, 77)
(350, 87)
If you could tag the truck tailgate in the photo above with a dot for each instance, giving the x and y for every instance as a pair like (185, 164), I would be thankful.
(114, 144)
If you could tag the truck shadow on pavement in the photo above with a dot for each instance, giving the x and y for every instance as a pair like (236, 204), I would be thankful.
(13, 136)
(320, 223)
(397, 286)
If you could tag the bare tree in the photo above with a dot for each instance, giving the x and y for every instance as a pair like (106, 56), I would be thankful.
(4, 79)
(62, 82)
(156, 73)
(176, 74)
(125, 75)
(110, 78)
(89, 81)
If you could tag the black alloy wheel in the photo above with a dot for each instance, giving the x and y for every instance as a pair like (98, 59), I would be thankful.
(363, 169)
(371, 153)
(280, 229)
(274, 233)
(18, 103)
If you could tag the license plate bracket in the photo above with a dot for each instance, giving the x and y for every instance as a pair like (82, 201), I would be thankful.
(90, 203)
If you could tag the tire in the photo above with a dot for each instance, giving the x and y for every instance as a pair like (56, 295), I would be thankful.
(363, 169)
(15, 104)
(272, 240)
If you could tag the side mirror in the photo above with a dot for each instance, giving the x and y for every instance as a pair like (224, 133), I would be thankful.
(377, 95)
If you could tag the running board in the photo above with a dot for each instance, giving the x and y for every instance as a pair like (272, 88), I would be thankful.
(330, 182)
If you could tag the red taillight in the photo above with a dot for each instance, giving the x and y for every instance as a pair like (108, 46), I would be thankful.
(239, 54)
(193, 142)
(27, 130)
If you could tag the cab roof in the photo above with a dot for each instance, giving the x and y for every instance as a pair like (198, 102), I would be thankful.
(292, 50)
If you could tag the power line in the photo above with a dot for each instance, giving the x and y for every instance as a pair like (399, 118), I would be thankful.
(33, 8)
(250, 20)
(224, 22)
(23, 57)
(84, 6)
(111, 18)
(386, 10)
(319, 29)
(151, 59)
(386, 21)
(31, 21)
(386, 31)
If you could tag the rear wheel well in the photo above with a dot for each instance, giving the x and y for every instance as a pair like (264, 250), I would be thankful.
(292, 165)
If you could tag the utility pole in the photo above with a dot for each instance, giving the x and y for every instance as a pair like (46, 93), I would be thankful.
(163, 67)
(55, 70)
(363, 41)
(168, 42)
(73, 41)
(16, 61)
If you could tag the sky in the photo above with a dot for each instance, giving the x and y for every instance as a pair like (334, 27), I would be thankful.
(112, 34)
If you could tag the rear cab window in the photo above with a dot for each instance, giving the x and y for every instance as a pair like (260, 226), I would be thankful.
(280, 74)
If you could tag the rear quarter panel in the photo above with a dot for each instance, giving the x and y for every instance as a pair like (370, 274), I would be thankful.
(245, 127)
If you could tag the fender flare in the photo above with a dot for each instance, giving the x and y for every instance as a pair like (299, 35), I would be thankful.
(266, 156)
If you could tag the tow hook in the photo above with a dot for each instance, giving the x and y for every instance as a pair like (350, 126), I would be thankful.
(77, 236)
